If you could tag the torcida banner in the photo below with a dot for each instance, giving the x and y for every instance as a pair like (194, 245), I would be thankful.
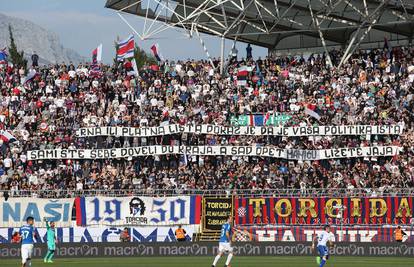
(323, 210)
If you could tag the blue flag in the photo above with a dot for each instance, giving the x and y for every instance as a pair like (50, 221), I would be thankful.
(3, 56)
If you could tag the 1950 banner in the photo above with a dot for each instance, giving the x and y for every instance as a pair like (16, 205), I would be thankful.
(138, 210)
(381, 210)
(14, 211)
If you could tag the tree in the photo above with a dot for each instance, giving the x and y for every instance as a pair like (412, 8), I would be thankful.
(142, 57)
(16, 57)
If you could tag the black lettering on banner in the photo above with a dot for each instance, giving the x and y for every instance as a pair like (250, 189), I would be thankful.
(208, 129)
(174, 128)
(50, 154)
(33, 155)
(181, 150)
(112, 130)
(41, 154)
(72, 153)
(265, 151)
(81, 132)
(373, 151)
(198, 129)
(295, 131)
(290, 154)
(303, 130)
(237, 130)
(312, 155)
(397, 129)
(181, 128)
(209, 151)
(81, 153)
(241, 130)
(250, 130)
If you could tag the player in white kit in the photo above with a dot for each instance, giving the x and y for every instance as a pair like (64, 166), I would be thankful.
(323, 239)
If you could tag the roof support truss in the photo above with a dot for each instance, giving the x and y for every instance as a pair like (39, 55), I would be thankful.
(319, 23)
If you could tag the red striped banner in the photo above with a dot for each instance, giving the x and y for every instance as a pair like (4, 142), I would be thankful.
(311, 211)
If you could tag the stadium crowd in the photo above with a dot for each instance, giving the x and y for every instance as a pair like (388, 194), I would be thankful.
(374, 87)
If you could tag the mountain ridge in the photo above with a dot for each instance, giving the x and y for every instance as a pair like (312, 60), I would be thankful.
(31, 37)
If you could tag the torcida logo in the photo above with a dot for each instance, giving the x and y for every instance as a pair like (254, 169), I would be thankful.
(136, 206)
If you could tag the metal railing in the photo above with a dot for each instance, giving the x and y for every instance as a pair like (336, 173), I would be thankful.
(326, 192)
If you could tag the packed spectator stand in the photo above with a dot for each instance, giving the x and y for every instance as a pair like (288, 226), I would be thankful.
(374, 87)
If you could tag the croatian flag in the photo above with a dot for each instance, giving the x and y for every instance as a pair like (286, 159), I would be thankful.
(7, 137)
(3, 56)
(156, 52)
(242, 73)
(256, 120)
(126, 48)
(30, 75)
(312, 113)
(97, 54)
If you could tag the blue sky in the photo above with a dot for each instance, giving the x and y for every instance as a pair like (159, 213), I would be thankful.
(83, 24)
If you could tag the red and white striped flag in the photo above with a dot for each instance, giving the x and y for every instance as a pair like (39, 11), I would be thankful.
(7, 137)
(242, 74)
(126, 48)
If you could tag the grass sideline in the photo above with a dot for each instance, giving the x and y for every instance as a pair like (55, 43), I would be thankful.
(254, 261)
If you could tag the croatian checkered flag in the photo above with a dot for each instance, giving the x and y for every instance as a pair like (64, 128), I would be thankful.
(242, 236)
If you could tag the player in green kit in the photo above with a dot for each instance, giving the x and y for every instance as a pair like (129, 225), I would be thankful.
(51, 242)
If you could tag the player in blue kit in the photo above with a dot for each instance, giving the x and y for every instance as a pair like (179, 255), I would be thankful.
(27, 233)
(225, 243)
(323, 239)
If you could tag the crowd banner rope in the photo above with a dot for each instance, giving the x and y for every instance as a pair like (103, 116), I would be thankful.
(242, 130)
(259, 151)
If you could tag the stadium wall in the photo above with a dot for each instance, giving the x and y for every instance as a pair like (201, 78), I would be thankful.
(154, 219)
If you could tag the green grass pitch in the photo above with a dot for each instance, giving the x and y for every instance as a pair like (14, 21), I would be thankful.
(254, 261)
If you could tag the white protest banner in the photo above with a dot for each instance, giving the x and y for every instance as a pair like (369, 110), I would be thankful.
(260, 151)
(14, 211)
(139, 210)
(241, 130)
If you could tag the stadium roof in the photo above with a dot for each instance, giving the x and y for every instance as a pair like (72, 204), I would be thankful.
(280, 24)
